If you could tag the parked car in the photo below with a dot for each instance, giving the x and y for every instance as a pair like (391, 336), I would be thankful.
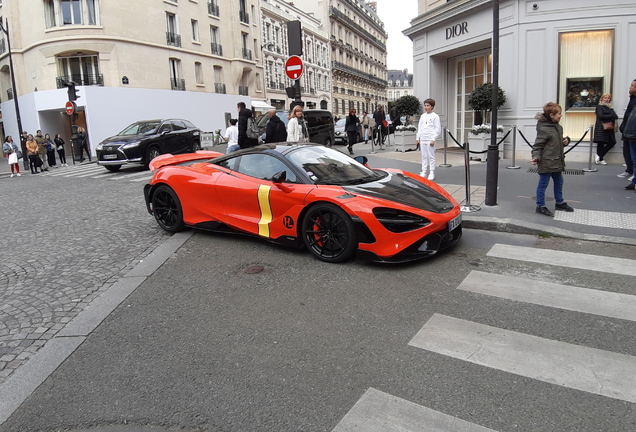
(305, 195)
(341, 134)
(144, 140)
(319, 124)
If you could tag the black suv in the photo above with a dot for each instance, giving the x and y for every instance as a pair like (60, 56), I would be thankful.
(143, 141)
(319, 124)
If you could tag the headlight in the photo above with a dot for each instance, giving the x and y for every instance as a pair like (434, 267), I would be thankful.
(130, 144)
(399, 221)
(99, 147)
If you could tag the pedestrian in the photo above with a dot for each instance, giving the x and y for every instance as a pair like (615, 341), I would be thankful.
(604, 135)
(380, 121)
(243, 116)
(39, 139)
(32, 151)
(275, 131)
(352, 124)
(365, 126)
(297, 127)
(548, 155)
(59, 145)
(231, 136)
(50, 151)
(12, 153)
(629, 146)
(428, 130)
(82, 142)
(23, 140)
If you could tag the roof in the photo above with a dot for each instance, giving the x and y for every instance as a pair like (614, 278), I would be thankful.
(261, 106)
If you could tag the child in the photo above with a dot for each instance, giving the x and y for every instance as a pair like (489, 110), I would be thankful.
(428, 130)
(231, 136)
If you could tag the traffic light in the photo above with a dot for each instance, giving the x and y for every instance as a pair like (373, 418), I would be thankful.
(72, 91)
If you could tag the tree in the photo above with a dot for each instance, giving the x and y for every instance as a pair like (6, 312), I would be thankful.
(408, 105)
(480, 100)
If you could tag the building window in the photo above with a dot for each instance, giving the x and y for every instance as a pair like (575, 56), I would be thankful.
(198, 72)
(195, 30)
(82, 70)
(217, 49)
(172, 30)
(219, 85)
(70, 12)
(176, 82)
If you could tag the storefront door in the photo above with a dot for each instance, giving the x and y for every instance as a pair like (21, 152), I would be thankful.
(470, 71)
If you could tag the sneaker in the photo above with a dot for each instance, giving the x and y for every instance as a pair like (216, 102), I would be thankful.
(18, 174)
(431, 175)
(602, 162)
(623, 174)
(11, 175)
(630, 178)
(597, 160)
(630, 186)
(563, 206)
(543, 210)
(423, 174)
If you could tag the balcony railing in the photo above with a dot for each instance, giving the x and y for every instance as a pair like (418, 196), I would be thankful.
(80, 80)
(243, 90)
(247, 54)
(219, 88)
(173, 39)
(177, 84)
(312, 90)
(213, 8)
(244, 17)
(9, 94)
(3, 46)
(217, 49)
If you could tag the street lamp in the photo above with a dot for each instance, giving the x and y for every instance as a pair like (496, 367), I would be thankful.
(5, 29)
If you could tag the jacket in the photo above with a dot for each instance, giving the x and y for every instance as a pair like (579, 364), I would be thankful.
(59, 142)
(351, 124)
(630, 106)
(378, 116)
(297, 130)
(9, 147)
(604, 114)
(548, 146)
(41, 142)
(243, 140)
(276, 131)
(32, 147)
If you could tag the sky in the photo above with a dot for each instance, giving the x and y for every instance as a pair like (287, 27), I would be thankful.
(397, 16)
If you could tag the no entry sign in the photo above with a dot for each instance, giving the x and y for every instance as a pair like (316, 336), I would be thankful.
(70, 107)
(294, 67)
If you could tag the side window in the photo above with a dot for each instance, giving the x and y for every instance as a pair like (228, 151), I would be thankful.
(177, 125)
(229, 163)
(166, 127)
(264, 167)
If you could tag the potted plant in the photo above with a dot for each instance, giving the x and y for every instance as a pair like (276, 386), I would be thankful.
(408, 105)
(479, 136)
(480, 101)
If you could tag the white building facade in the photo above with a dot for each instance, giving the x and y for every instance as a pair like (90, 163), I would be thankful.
(549, 51)
(398, 83)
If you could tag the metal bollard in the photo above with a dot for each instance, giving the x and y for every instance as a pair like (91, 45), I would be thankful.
(445, 164)
(514, 148)
(589, 164)
(468, 207)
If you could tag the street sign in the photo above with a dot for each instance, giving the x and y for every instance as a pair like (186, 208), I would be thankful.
(70, 107)
(294, 67)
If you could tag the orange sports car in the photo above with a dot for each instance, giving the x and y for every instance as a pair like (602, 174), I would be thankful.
(305, 195)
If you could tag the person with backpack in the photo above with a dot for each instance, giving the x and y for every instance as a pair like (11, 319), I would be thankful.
(276, 131)
(246, 118)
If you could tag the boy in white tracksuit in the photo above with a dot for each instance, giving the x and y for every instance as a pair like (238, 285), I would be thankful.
(428, 130)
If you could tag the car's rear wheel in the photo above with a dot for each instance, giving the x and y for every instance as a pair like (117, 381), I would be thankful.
(329, 233)
(113, 168)
(196, 145)
(166, 208)
(152, 153)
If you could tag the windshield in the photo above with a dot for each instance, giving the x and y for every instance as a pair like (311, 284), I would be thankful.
(141, 128)
(341, 122)
(330, 167)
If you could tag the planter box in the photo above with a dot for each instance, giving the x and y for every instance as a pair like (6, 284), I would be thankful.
(404, 138)
(479, 143)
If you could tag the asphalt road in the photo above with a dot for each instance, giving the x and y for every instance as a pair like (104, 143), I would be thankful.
(205, 344)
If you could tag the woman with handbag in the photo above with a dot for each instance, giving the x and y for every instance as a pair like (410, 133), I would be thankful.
(34, 158)
(352, 123)
(604, 134)
(11, 151)
(82, 143)
(50, 151)
(59, 145)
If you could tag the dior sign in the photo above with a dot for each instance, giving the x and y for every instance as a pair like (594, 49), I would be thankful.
(457, 30)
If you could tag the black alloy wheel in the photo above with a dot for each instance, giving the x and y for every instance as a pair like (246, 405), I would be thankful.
(329, 233)
(328, 142)
(166, 208)
(152, 153)
(196, 146)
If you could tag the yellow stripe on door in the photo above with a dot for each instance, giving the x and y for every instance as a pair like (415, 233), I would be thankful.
(266, 210)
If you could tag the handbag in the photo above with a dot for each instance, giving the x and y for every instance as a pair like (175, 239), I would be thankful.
(19, 154)
(385, 123)
(608, 125)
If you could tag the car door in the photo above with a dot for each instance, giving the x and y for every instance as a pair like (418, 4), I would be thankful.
(255, 204)
(166, 138)
(183, 136)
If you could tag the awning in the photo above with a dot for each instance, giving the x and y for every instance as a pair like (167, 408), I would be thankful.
(261, 106)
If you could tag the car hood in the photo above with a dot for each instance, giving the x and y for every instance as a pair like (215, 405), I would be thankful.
(405, 190)
(122, 139)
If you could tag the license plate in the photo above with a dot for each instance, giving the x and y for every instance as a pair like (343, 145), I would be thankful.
(454, 223)
(110, 156)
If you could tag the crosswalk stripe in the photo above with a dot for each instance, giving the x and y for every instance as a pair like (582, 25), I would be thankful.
(588, 369)
(565, 259)
(123, 176)
(609, 304)
(377, 411)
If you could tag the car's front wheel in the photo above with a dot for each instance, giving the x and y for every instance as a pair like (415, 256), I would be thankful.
(152, 153)
(328, 142)
(328, 232)
(196, 145)
(113, 168)
(166, 208)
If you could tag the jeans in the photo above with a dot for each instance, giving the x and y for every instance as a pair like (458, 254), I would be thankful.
(629, 160)
(632, 153)
(544, 179)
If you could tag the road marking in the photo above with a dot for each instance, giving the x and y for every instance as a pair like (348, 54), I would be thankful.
(595, 302)
(565, 259)
(587, 369)
(266, 210)
(377, 411)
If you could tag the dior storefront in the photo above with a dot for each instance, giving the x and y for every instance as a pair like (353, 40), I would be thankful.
(564, 51)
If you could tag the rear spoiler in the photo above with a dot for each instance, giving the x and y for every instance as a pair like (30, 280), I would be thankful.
(169, 159)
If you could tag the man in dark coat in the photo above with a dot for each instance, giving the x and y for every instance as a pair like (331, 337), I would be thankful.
(379, 117)
(244, 114)
(276, 130)
(627, 154)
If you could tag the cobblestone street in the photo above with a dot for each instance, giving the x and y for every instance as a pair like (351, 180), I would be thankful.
(65, 241)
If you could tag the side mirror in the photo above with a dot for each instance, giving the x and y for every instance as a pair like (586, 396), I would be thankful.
(279, 177)
(362, 159)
